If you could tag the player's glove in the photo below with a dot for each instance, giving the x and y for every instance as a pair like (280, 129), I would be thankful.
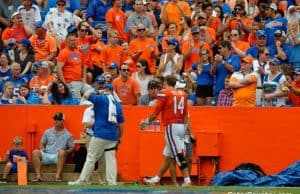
(144, 123)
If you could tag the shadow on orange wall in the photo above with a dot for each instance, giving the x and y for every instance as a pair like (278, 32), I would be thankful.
(268, 137)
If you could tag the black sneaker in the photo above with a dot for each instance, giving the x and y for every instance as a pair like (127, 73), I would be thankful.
(3, 180)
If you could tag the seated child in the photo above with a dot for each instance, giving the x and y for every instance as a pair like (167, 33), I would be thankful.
(11, 158)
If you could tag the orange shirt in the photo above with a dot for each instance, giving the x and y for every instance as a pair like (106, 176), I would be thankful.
(83, 45)
(95, 53)
(72, 69)
(252, 39)
(173, 13)
(144, 45)
(165, 39)
(38, 80)
(118, 20)
(172, 104)
(236, 24)
(215, 23)
(243, 46)
(112, 54)
(127, 90)
(194, 55)
(16, 33)
(295, 100)
(43, 48)
(244, 96)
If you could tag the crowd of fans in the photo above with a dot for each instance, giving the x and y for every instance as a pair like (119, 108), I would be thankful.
(53, 51)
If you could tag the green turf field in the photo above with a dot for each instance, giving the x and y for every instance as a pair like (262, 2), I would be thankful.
(133, 188)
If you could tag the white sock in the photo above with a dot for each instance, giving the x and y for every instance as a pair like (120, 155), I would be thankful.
(156, 178)
(187, 179)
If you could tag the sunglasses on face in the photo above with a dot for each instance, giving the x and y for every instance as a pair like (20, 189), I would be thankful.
(237, 9)
(234, 35)
(141, 30)
(125, 70)
(267, 54)
(277, 35)
(60, 4)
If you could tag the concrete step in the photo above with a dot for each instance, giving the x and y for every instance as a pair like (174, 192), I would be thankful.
(45, 168)
(50, 177)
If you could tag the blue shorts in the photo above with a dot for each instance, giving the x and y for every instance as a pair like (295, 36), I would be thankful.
(14, 168)
(48, 158)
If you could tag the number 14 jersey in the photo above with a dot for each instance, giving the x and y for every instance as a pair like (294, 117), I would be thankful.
(172, 104)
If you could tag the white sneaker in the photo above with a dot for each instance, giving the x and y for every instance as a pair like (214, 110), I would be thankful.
(184, 184)
(78, 182)
(150, 181)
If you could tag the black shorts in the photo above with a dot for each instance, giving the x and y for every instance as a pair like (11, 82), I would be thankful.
(95, 71)
(204, 91)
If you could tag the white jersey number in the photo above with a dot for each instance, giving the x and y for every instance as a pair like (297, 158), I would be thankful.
(178, 105)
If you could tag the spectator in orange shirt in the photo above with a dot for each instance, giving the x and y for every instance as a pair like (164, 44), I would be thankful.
(192, 48)
(294, 89)
(116, 20)
(112, 52)
(84, 41)
(172, 33)
(212, 21)
(243, 84)
(185, 31)
(207, 33)
(70, 68)
(172, 12)
(126, 87)
(43, 78)
(239, 47)
(17, 30)
(238, 20)
(43, 44)
(253, 34)
(95, 53)
(144, 48)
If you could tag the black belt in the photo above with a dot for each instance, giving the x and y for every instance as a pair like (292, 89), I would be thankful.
(259, 88)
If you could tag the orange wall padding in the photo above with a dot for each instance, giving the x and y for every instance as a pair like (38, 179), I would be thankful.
(268, 137)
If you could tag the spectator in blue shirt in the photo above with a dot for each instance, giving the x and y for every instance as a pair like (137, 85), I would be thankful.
(260, 44)
(96, 11)
(282, 49)
(12, 157)
(26, 96)
(273, 23)
(225, 63)
(61, 94)
(16, 78)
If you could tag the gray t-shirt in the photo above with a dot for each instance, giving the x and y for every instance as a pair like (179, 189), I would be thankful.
(53, 142)
(134, 20)
(144, 100)
(7, 9)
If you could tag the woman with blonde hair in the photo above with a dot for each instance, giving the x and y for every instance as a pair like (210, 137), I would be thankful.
(204, 81)
(7, 96)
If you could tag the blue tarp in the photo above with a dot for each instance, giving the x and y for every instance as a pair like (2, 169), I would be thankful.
(288, 177)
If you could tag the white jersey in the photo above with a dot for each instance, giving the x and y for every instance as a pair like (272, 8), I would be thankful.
(89, 116)
(60, 21)
(259, 87)
(31, 16)
(274, 85)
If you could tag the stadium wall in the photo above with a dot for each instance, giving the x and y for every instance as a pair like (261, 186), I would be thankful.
(268, 137)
